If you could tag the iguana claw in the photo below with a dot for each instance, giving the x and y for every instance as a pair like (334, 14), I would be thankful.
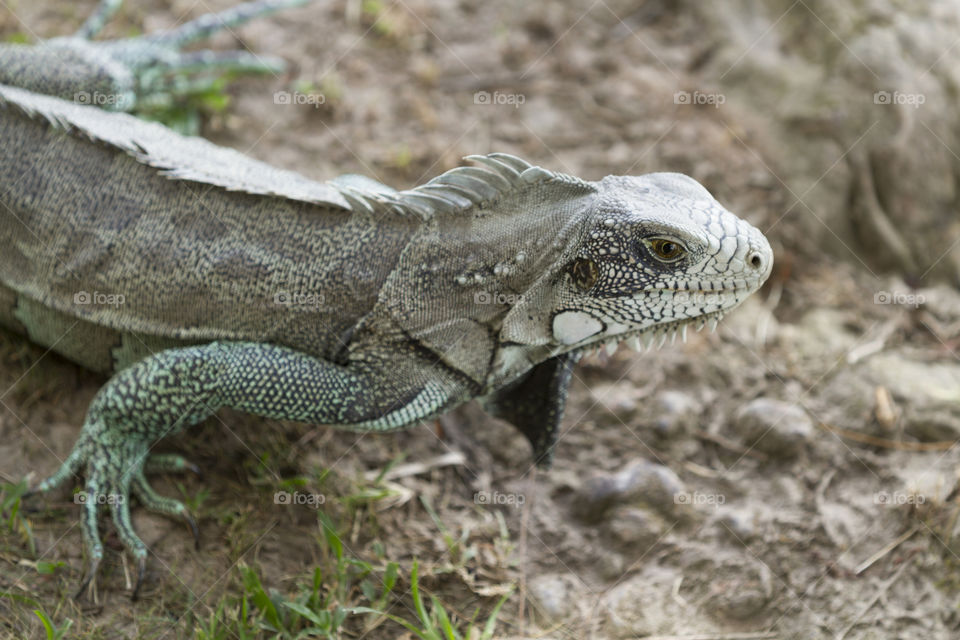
(88, 579)
(194, 529)
(141, 572)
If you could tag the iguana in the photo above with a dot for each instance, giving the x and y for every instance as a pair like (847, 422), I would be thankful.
(200, 278)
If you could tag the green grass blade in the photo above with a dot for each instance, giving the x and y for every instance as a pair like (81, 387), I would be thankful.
(491, 625)
(251, 584)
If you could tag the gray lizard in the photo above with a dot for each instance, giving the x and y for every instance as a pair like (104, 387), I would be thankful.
(200, 278)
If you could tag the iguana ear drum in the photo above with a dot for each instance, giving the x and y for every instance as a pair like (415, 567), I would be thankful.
(584, 273)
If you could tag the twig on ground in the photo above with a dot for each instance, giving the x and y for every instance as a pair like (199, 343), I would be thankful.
(863, 566)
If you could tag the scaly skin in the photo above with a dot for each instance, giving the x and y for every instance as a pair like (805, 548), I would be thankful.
(177, 388)
(346, 303)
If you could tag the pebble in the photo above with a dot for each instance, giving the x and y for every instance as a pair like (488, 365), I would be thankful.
(653, 484)
(624, 609)
(636, 528)
(927, 392)
(777, 428)
(553, 595)
(675, 413)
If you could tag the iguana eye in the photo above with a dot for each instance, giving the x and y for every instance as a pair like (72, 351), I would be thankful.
(584, 273)
(666, 249)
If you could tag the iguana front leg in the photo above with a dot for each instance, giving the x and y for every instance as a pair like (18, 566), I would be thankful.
(163, 394)
(148, 71)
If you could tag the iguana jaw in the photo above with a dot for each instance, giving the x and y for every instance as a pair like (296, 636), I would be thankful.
(612, 334)
(648, 337)
(514, 360)
(582, 330)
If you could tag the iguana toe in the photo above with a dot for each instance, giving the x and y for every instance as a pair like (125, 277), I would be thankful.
(141, 572)
(120, 510)
(90, 502)
(169, 463)
(153, 501)
(92, 571)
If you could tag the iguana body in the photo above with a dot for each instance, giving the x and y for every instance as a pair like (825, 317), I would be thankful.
(206, 279)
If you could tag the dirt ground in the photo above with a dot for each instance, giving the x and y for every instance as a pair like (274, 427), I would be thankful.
(792, 475)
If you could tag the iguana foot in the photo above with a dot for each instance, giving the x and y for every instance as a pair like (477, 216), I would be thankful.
(151, 71)
(115, 467)
(112, 465)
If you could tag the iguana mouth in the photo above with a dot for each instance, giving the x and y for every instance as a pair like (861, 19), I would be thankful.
(750, 287)
(656, 334)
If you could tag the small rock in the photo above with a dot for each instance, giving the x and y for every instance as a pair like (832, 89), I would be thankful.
(741, 601)
(620, 398)
(923, 483)
(739, 589)
(821, 333)
(645, 481)
(675, 413)
(737, 524)
(927, 392)
(942, 300)
(776, 428)
(926, 382)
(624, 607)
(645, 604)
(553, 595)
(610, 566)
(635, 528)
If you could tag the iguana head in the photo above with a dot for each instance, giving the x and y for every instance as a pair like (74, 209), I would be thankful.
(515, 264)
(656, 253)
(659, 254)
